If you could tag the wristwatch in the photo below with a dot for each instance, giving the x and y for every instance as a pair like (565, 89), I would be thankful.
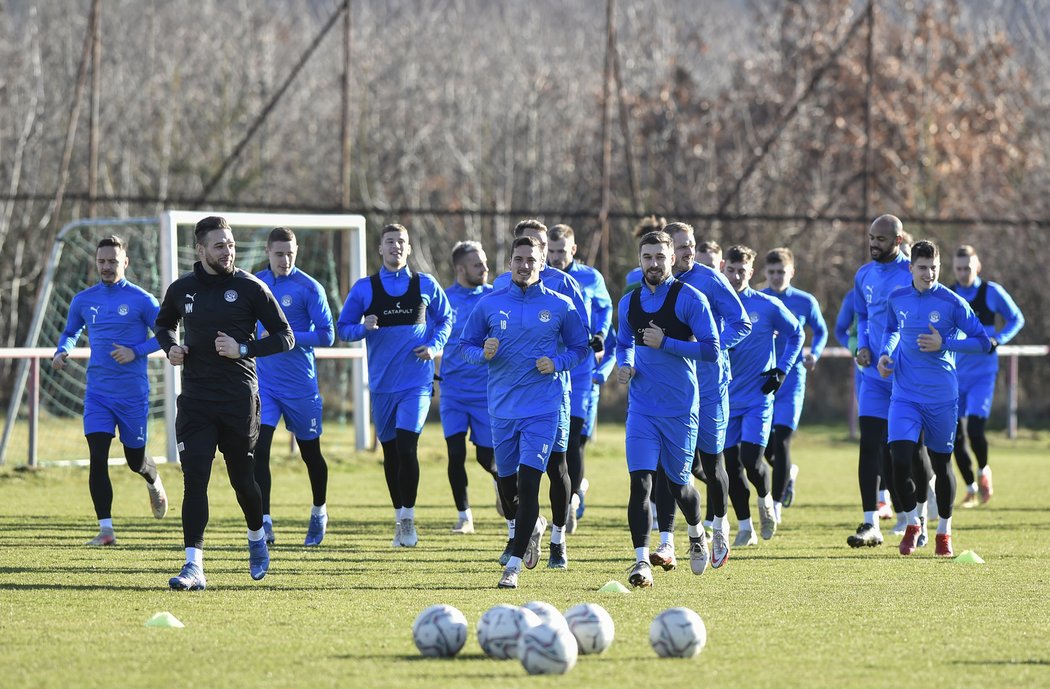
(243, 350)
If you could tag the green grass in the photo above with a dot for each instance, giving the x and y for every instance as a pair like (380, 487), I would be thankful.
(800, 610)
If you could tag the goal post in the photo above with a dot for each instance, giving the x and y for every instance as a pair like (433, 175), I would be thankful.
(160, 249)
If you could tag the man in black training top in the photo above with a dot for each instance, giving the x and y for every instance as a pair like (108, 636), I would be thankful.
(219, 306)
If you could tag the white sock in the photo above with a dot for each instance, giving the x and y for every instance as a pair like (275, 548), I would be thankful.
(408, 512)
(466, 514)
(641, 554)
(514, 563)
(920, 508)
(972, 488)
(944, 525)
(884, 496)
(871, 518)
(196, 556)
(695, 531)
(767, 501)
(776, 510)
(666, 537)
(913, 517)
(721, 524)
(316, 511)
(510, 528)
(745, 525)
(267, 519)
(557, 534)
(106, 523)
(256, 534)
(397, 514)
(987, 470)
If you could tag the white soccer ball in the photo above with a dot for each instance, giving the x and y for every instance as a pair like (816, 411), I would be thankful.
(547, 613)
(500, 629)
(440, 631)
(547, 650)
(677, 633)
(592, 626)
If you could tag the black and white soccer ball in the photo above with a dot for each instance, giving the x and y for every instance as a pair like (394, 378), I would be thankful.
(500, 629)
(547, 613)
(592, 626)
(547, 650)
(677, 633)
(440, 631)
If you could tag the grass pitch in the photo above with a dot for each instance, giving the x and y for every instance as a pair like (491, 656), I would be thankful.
(800, 610)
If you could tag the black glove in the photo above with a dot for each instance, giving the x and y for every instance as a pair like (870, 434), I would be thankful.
(774, 379)
(597, 344)
(995, 345)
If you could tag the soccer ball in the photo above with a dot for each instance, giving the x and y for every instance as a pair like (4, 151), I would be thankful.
(440, 631)
(547, 613)
(677, 633)
(547, 650)
(592, 626)
(500, 629)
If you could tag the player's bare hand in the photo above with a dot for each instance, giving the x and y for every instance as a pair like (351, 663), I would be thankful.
(653, 336)
(885, 366)
(371, 322)
(809, 361)
(930, 342)
(624, 374)
(864, 357)
(545, 365)
(59, 362)
(490, 348)
(227, 346)
(423, 352)
(177, 355)
(122, 354)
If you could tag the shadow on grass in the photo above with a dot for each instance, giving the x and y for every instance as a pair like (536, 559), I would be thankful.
(1006, 661)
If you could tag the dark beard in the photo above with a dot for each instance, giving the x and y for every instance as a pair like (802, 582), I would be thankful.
(219, 268)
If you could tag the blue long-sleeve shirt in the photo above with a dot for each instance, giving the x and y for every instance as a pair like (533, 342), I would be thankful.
(871, 289)
(598, 304)
(121, 313)
(459, 378)
(757, 353)
(392, 366)
(929, 377)
(605, 367)
(804, 307)
(730, 319)
(846, 324)
(665, 379)
(293, 374)
(999, 302)
(529, 324)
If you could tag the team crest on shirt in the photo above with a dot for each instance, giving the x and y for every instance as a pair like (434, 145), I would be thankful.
(286, 300)
(545, 316)
(123, 309)
(935, 316)
(230, 296)
(753, 317)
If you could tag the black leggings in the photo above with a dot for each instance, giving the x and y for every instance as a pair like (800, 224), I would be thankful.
(745, 463)
(910, 474)
(574, 455)
(639, 517)
(780, 452)
(557, 472)
(522, 491)
(99, 485)
(874, 460)
(705, 466)
(457, 467)
(309, 450)
(401, 467)
(971, 428)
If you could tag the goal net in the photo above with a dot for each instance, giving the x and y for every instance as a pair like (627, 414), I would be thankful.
(331, 249)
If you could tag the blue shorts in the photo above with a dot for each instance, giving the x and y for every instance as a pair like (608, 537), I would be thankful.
(975, 395)
(787, 403)
(873, 398)
(665, 441)
(561, 440)
(527, 441)
(302, 416)
(591, 418)
(405, 410)
(581, 397)
(714, 419)
(936, 421)
(750, 424)
(459, 416)
(105, 414)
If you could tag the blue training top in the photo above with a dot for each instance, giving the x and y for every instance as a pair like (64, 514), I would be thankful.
(756, 353)
(392, 366)
(730, 319)
(598, 305)
(871, 289)
(929, 377)
(460, 379)
(804, 307)
(121, 313)
(293, 374)
(529, 324)
(998, 302)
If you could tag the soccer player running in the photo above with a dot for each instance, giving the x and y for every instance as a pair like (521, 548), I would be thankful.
(977, 372)
(525, 333)
(405, 320)
(464, 406)
(758, 372)
(918, 354)
(118, 316)
(583, 400)
(664, 327)
(788, 400)
(288, 382)
(557, 468)
(733, 326)
(218, 306)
